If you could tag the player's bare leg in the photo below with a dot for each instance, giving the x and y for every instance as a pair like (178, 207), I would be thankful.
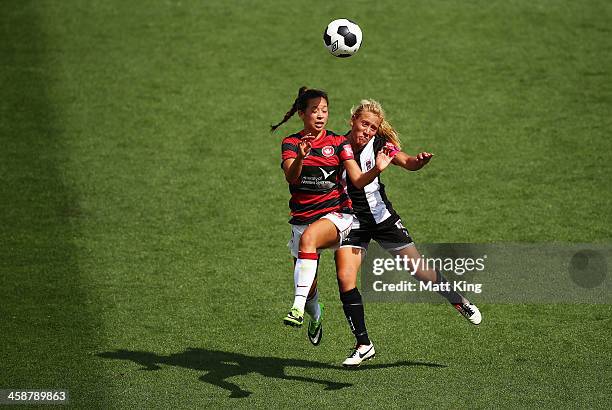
(320, 234)
(348, 261)
(460, 302)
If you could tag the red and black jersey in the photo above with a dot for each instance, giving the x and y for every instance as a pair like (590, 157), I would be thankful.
(319, 189)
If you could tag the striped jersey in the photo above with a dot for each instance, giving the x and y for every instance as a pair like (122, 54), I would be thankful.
(320, 188)
(370, 204)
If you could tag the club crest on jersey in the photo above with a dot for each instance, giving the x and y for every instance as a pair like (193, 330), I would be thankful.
(327, 151)
(368, 165)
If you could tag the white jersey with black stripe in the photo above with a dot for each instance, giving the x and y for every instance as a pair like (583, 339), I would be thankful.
(370, 204)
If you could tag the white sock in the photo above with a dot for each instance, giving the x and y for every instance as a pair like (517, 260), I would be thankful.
(303, 276)
(312, 306)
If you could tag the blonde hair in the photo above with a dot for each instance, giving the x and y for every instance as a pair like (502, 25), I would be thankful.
(385, 130)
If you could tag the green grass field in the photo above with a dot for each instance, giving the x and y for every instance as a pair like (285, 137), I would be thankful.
(143, 212)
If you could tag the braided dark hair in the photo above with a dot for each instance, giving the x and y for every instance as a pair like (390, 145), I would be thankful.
(301, 103)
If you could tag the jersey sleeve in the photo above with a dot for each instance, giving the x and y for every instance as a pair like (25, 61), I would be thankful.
(289, 149)
(379, 143)
(345, 152)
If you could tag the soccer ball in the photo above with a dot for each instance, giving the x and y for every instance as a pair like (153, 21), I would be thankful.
(342, 37)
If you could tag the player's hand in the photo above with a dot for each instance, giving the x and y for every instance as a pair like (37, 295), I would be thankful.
(383, 158)
(423, 158)
(305, 145)
(392, 149)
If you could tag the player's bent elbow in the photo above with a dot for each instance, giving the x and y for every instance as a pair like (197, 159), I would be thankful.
(290, 179)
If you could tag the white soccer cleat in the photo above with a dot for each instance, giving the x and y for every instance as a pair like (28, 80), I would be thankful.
(469, 311)
(360, 353)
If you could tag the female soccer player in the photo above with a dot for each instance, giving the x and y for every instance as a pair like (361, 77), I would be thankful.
(321, 216)
(370, 132)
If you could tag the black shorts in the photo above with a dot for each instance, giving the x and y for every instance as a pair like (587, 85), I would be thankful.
(390, 234)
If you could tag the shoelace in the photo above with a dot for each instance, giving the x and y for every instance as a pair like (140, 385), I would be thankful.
(465, 309)
(468, 309)
(354, 352)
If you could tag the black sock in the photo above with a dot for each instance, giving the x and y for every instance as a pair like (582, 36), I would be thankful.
(353, 310)
(452, 296)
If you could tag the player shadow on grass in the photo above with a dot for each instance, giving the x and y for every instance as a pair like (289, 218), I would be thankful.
(221, 365)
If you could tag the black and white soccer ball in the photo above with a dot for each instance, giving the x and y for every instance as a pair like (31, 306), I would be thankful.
(342, 37)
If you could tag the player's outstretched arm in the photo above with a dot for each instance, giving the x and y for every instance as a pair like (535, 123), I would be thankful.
(411, 163)
(361, 179)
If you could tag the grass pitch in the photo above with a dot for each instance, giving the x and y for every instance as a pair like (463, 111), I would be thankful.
(143, 211)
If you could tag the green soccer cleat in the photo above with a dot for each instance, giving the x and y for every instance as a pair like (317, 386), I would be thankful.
(315, 328)
(294, 318)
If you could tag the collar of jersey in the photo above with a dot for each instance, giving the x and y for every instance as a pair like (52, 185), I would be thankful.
(302, 133)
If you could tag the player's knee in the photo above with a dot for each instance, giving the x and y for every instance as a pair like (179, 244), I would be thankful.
(308, 242)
